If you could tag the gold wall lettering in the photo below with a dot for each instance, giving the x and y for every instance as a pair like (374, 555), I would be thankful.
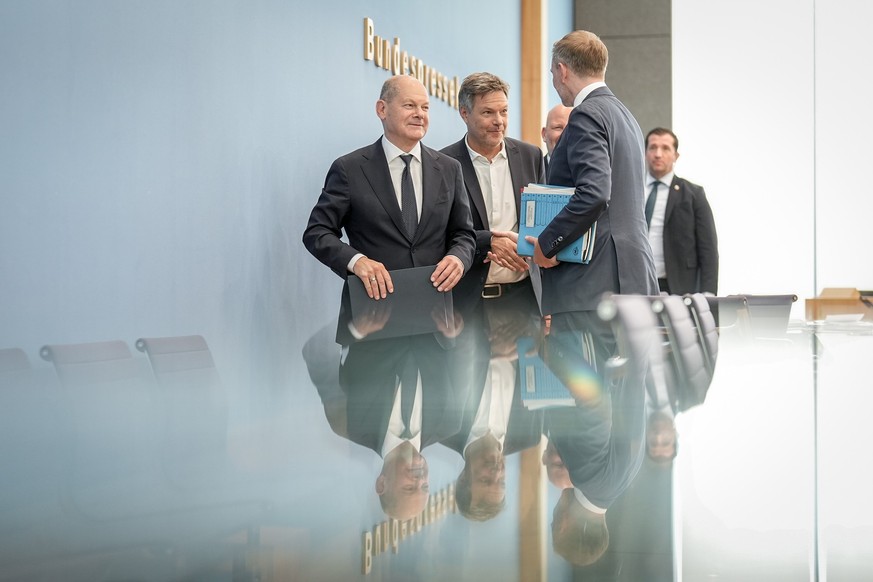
(389, 56)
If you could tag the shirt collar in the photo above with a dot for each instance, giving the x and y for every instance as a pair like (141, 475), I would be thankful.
(666, 179)
(474, 154)
(584, 502)
(586, 91)
(392, 151)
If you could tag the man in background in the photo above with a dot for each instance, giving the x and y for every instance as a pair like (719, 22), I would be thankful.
(681, 226)
(556, 121)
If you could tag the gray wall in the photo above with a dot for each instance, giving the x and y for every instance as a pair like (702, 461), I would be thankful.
(638, 36)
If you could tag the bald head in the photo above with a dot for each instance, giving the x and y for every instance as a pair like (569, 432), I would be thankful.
(403, 107)
(556, 121)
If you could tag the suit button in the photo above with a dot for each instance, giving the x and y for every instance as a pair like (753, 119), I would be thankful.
(560, 238)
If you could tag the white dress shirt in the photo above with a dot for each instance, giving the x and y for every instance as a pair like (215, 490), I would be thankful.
(586, 91)
(395, 167)
(495, 181)
(656, 227)
(393, 437)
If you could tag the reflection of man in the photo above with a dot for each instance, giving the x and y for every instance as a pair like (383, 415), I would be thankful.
(600, 154)
(556, 121)
(393, 396)
(556, 470)
(495, 169)
(495, 422)
(400, 203)
(681, 226)
(599, 441)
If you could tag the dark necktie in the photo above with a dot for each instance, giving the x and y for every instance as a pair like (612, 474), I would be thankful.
(407, 198)
(650, 202)
(408, 386)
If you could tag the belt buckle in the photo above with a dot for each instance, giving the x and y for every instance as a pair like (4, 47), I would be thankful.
(492, 291)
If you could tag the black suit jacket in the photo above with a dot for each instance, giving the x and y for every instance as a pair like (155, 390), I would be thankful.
(369, 379)
(525, 167)
(358, 197)
(690, 240)
(600, 154)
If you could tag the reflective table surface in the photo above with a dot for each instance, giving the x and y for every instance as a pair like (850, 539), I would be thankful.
(635, 443)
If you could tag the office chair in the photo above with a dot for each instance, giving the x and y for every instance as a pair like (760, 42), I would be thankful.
(707, 331)
(635, 327)
(193, 408)
(15, 369)
(107, 401)
(685, 359)
(769, 314)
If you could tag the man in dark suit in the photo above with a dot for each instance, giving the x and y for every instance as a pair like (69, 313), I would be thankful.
(681, 226)
(400, 203)
(495, 168)
(600, 154)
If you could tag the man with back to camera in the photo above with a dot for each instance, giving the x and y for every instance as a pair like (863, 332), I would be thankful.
(400, 203)
(556, 121)
(681, 226)
(495, 168)
(600, 154)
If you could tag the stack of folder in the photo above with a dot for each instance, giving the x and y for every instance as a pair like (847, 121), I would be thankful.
(540, 203)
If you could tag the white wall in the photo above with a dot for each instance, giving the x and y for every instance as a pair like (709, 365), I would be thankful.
(768, 100)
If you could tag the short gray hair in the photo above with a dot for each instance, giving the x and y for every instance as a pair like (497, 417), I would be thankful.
(479, 84)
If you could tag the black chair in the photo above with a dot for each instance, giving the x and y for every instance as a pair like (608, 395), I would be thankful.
(688, 375)
(704, 322)
(769, 314)
(636, 330)
(729, 312)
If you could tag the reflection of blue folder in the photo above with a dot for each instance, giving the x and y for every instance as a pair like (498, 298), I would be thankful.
(540, 388)
(539, 205)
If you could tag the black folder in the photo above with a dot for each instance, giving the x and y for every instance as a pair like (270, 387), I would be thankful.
(415, 307)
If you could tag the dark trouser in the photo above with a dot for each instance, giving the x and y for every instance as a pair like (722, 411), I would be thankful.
(663, 286)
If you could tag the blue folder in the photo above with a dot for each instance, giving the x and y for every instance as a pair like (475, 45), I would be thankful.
(540, 203)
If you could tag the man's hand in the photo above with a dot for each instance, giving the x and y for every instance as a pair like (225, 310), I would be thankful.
(504, 251)
(447, 273)
(539, 258)
(377, 280)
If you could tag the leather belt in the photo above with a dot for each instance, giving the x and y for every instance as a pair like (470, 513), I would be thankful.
(495, 290)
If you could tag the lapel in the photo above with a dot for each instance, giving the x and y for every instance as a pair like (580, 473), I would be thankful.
(376, 171)
(515, 164)
(471, 181)
(431, 187)
(673, 191)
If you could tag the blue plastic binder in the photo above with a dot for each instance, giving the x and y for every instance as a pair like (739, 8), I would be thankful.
(539, 205)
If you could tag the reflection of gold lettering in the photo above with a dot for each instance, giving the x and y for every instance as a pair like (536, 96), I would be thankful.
(368, 39)
(395, 535)
(377, 540)
(388, 56)
(367, 562)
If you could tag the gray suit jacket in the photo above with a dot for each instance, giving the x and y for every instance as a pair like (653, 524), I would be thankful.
(600, 153)
(690, 240)
(525, 167)
(358, 197)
